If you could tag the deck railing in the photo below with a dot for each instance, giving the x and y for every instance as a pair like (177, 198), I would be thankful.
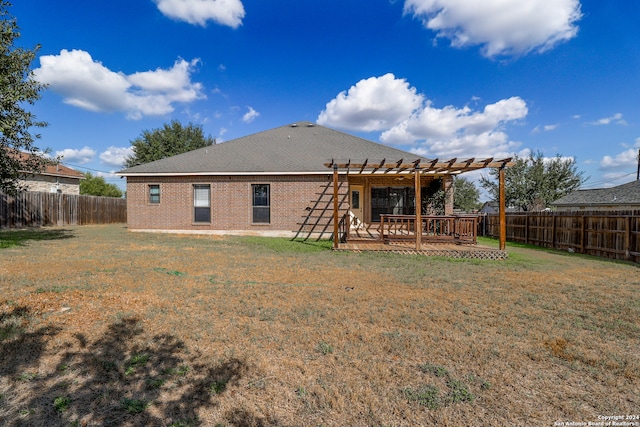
(434, 228)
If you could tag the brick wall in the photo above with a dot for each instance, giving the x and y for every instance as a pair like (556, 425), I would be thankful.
(231, 202)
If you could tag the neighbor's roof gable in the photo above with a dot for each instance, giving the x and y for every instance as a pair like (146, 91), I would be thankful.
(302, 147)
(51, 167)
(624, 194)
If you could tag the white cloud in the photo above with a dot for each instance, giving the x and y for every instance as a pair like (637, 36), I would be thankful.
(626, 160)
(108, 175)
(88, 84)
(199, 12)
(72, 155)
(455, 132)
(501, 27)
(250, 115)
(616, 119)
(545, 128)
(408, 119)
(373, 104)
(115, 156)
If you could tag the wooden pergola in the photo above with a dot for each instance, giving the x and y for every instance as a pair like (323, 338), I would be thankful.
(419, 168)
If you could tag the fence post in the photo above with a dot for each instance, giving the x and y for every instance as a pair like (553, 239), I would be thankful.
(502, 213)
(582, 235)
(553, 231)
(627, 239)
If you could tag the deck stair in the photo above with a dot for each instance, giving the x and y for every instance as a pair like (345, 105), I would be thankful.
(319, 215)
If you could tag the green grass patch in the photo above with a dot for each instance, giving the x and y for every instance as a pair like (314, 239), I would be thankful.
(180, 371)
(169, 272)
(217, 387)
(12, 238)
(134, 406)
(154, 383)
(54, 289)
(285, 245)
(458, 392)
(61, 403)
(27, 376)
(436, 370)
(136, 361)
(428, 396)
(325, 348)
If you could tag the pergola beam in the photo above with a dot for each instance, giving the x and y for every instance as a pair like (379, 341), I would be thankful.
(375, 168)
(452, 166)
(364, 165)
(395, 166)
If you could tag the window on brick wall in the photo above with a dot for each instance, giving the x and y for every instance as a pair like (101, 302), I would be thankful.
(154, 194)
(261, 203)
(202, 203)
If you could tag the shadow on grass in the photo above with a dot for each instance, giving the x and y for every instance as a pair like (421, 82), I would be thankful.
(124, 377)
(19, 347)
(10, 238)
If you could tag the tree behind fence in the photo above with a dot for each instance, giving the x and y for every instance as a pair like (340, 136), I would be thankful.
(37, 209)
(611, 234)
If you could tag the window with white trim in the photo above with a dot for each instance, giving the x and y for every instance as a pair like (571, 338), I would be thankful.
(154, 194)
(201, 203)
(261, 203)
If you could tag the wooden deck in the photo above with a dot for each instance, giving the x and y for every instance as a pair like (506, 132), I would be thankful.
(449, 250)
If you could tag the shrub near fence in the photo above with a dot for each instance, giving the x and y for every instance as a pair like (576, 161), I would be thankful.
(38, 209)
(611, 234)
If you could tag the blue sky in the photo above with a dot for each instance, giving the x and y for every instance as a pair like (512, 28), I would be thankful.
(442, 78)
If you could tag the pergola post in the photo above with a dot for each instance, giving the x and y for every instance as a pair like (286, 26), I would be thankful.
(418, 203)
(502, 213)
(336, 238)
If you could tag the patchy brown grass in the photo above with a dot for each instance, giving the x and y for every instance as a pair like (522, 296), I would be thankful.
(99, 326)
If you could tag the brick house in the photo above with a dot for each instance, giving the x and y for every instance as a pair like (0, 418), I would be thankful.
(271, 182)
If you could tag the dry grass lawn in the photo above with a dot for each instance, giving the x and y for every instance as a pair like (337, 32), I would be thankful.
(102, 327)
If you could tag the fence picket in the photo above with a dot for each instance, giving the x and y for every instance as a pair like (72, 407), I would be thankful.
(38, 209)
(611, 234)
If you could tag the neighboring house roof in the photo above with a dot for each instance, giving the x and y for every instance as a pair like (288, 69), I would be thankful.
(51, 168)
(494, 207)
(625, 194)
(302, 147)
(61, 171)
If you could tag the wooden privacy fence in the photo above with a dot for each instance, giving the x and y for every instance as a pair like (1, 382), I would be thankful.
(37, 209)
(613, 234)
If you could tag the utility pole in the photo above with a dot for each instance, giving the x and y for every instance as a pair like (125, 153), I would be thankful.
(638, 173)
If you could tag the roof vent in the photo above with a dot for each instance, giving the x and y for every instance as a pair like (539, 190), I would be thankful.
(295, 125)
(310, 125)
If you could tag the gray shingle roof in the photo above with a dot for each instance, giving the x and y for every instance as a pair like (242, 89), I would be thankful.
(301, 147)
(624, 194)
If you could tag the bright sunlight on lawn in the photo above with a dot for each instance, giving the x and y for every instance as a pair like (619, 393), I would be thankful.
(99, 326)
